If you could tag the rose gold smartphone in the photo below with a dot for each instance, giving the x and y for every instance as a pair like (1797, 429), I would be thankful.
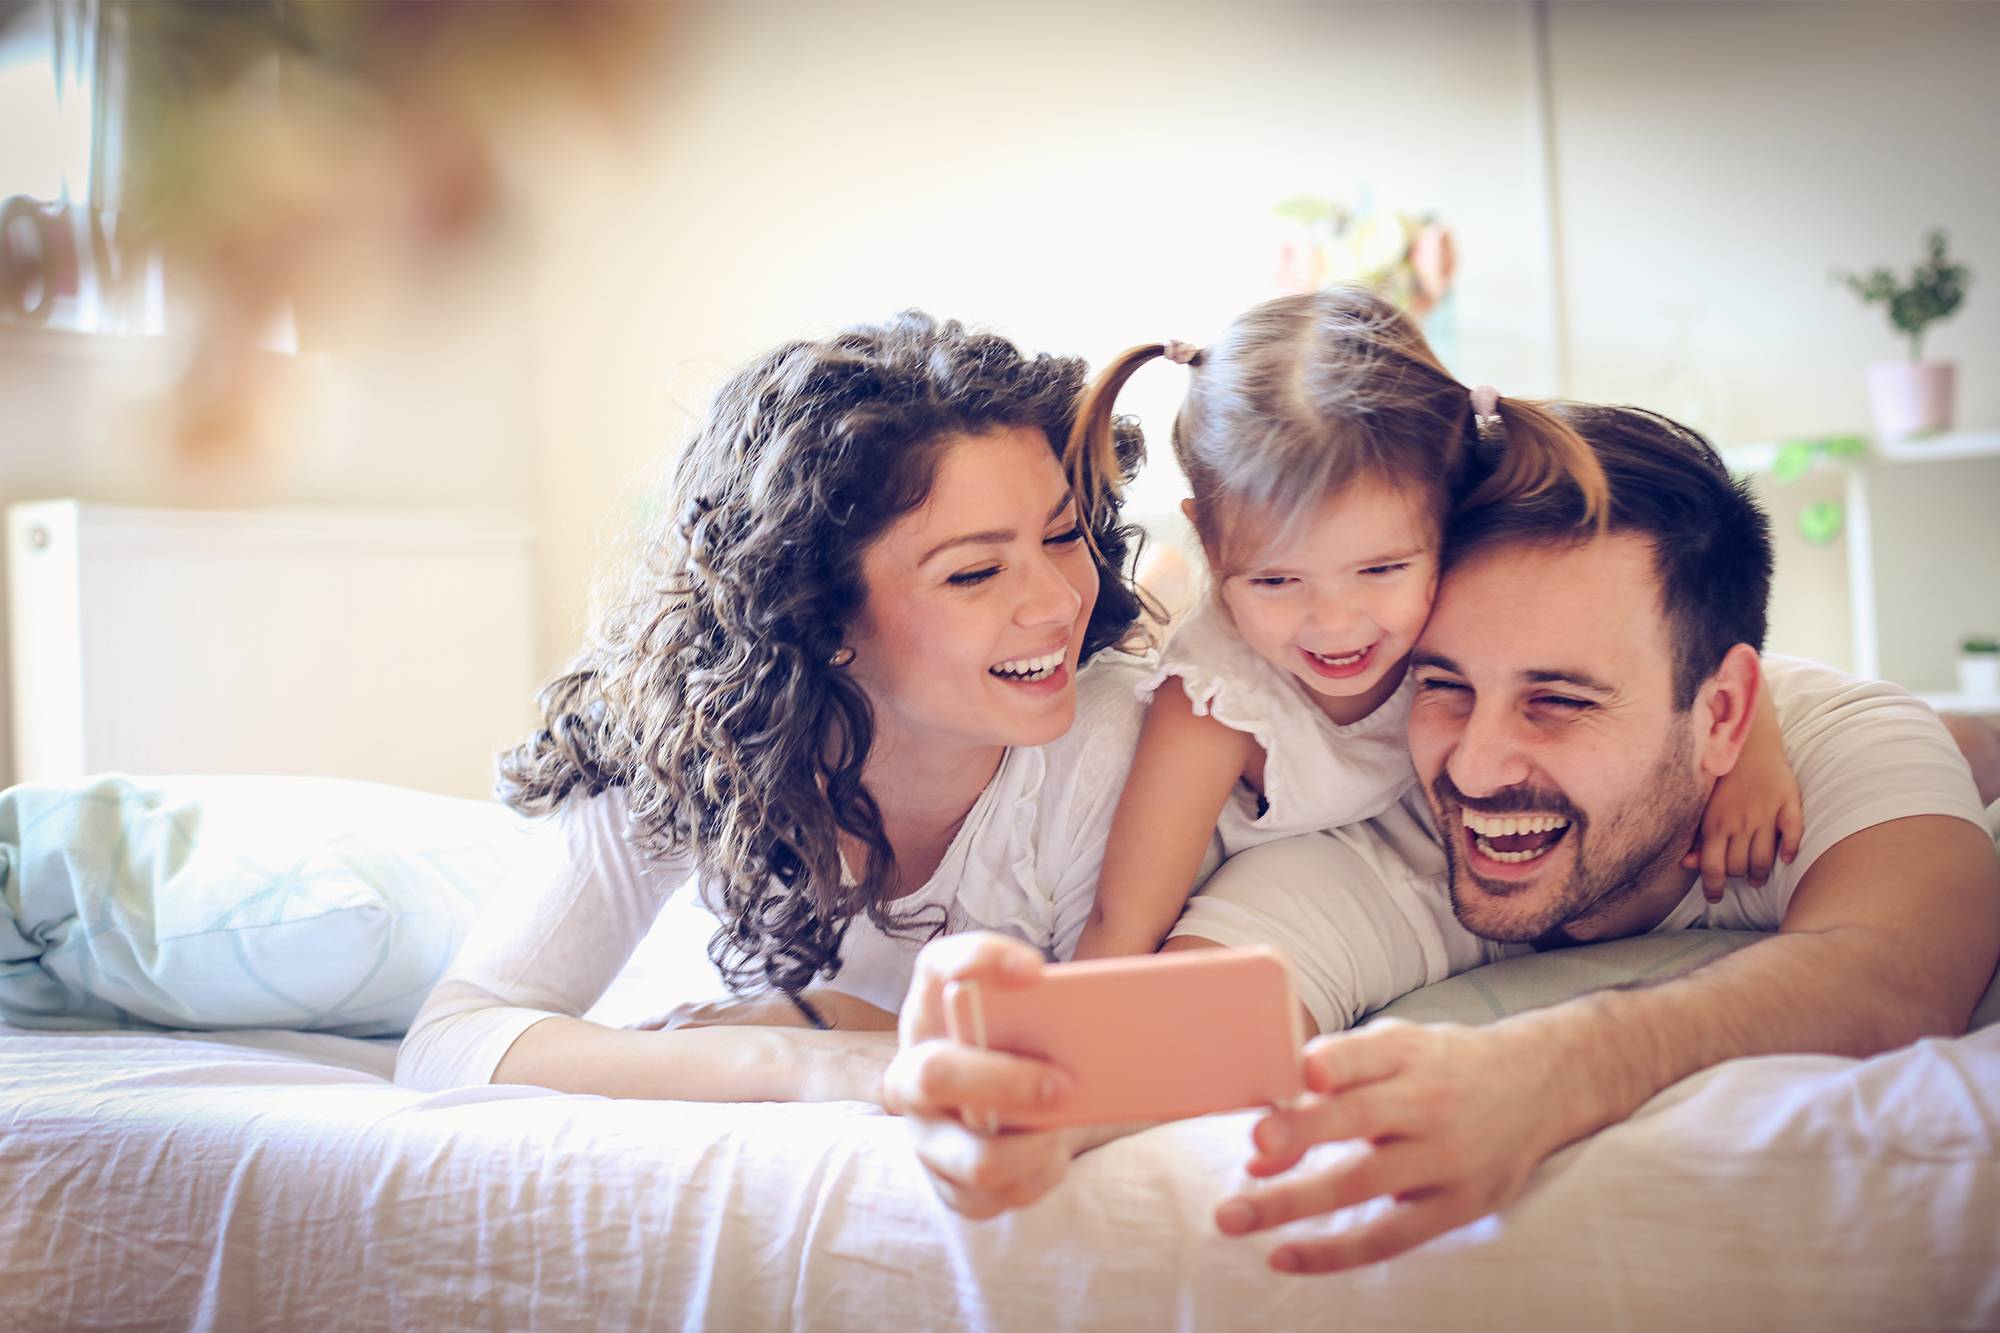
(1157, 1037)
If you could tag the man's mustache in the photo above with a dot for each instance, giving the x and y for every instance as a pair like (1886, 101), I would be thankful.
(1517, 800)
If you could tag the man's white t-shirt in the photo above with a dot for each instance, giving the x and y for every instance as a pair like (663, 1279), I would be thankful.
(1365, 911)
(1024, 863)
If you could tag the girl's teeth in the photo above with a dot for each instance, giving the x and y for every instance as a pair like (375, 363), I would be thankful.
(1348, 660)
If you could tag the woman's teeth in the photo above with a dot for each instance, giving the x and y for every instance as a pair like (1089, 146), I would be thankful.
(1031, 668)
(1348, 660)
(1515, 838)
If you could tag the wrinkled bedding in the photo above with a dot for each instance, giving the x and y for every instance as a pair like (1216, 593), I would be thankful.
(281, 1181)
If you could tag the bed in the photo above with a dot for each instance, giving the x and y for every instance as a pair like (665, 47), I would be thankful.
(262, 1178)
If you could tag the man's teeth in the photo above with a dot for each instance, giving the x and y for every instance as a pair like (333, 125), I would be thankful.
(1031, 668)
(1348, 660)
(1484, 828)
(1490, 826)
(1512, 857)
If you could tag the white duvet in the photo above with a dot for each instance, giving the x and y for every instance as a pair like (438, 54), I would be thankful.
(281, 1181)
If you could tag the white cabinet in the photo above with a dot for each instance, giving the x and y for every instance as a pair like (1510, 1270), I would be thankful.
(387, 646)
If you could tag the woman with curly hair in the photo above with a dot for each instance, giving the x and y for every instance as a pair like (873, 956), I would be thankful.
(842, 692)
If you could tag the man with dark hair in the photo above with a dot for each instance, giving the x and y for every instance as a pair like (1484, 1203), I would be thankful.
(1711, 543)
(1578, 694)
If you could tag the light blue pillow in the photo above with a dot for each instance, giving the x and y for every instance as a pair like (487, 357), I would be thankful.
(238, 902)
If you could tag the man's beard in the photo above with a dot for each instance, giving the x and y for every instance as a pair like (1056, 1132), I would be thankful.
(1633, 844)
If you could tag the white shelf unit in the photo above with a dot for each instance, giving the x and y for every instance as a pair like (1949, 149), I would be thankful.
(1863, 591)
(1963, 703)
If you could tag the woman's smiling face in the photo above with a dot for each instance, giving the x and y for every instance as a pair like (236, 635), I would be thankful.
(977, 601)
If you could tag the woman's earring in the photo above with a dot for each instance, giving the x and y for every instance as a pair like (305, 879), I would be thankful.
(841, 656)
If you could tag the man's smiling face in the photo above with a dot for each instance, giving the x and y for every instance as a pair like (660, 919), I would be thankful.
(1565, 785)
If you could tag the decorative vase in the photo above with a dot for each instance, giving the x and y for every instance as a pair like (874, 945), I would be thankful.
(1910, 397)
(1979, 675)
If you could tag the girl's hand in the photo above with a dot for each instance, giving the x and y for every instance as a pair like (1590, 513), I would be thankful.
(1754, 815)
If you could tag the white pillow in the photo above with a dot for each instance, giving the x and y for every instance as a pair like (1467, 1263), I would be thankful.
(1531, 981)
(238, 902)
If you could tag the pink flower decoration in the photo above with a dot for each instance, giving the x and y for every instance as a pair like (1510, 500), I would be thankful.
(1434, 259)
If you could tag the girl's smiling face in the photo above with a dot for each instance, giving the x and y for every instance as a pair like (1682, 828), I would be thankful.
(977, 601)
(1338, 606)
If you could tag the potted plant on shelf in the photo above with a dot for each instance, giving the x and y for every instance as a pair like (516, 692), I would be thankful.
(1979, 667)
(1912, 397)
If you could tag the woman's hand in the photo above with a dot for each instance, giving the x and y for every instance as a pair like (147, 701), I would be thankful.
(946, 1087)
(841, 1012)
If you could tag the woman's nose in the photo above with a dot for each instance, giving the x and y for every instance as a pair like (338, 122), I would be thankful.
(1050, 599)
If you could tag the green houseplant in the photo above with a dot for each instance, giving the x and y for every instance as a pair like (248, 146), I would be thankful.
(1913, 397)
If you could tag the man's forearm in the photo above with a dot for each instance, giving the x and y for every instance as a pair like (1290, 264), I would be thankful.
(1858, 968)
(1847, 991)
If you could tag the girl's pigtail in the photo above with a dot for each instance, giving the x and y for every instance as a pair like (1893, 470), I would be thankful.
(1091, 457)
(1536, 451)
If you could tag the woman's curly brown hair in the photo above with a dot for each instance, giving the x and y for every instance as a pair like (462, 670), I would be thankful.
(707, 691)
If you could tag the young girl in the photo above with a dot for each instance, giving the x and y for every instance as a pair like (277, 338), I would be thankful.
(1327, 448)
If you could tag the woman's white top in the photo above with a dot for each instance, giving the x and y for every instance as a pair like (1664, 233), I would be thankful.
(1317, 774)
(1024, 863)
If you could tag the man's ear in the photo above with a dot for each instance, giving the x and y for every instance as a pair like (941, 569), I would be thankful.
(1187, 508)
(1723, 709)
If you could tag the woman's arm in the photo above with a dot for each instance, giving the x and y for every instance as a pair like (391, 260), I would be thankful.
(509, 1011)
(1182, 774)
(720, 1064)
(835, 1009)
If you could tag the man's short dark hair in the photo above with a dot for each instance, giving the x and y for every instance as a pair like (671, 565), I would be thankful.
(1711, 541)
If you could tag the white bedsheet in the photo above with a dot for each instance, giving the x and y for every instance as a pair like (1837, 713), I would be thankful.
(281, 1181)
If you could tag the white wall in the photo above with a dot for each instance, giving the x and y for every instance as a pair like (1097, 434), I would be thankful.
(1080, 176)
(1087, 176)
(1084, 176)
(1718, 160)
(1715, 161)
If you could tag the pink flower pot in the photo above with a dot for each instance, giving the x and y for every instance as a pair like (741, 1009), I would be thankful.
(1910, 397)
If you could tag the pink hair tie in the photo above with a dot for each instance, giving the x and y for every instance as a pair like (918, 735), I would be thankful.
(1486, 423)
(1180, 353)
